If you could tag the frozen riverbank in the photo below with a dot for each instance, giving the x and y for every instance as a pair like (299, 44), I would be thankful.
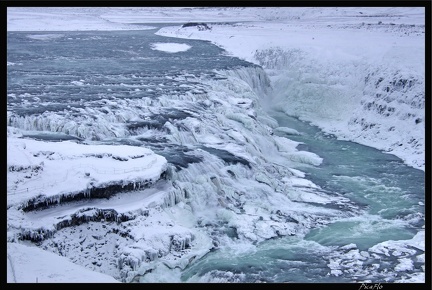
(357, 73)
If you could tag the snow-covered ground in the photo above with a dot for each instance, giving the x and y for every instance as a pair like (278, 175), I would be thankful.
(355, 72)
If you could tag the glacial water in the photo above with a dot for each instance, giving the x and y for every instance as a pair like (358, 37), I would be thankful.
(111, 88)
(390, 192)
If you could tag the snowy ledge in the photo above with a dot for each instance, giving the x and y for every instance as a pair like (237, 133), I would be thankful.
(57, 171)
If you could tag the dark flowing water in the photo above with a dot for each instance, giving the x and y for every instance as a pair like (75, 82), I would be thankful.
(59, 70)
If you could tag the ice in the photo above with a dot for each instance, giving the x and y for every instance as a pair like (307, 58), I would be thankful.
(404, 265)
(304, 157)
(170, 47)
(287, 131)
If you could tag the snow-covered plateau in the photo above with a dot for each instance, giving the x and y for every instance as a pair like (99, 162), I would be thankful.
(146, 144)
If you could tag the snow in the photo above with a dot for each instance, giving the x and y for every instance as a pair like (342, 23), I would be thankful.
(325, 54)
(56, 168)
(29, 264)
(170, 47)
(63, 19)
(110, 18)
(350, 259)
(45, 36)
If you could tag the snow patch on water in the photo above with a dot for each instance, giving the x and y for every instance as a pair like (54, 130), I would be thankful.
(45, 36)
(170, 47)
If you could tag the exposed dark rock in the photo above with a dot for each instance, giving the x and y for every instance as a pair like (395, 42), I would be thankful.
(158, 121)
(82, 216)
(201, 26)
